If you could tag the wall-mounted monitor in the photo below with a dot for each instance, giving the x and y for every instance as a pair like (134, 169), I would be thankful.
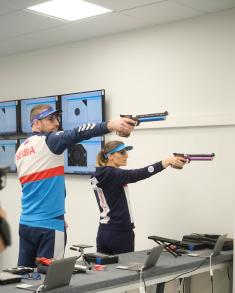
(7, 153)
(25, 108)
(78, 109)
(8, 117)
(81, 158)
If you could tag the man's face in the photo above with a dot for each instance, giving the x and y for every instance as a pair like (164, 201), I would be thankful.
(49, 123)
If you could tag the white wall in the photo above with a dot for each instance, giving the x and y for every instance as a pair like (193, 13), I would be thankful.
(186, 68)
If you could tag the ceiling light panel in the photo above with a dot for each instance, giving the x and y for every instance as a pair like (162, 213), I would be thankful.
(69, 9)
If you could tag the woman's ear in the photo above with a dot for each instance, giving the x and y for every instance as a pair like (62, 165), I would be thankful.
(110, 157)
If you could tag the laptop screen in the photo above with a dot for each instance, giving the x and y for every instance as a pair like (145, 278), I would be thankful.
(59, 273)
(219, 244)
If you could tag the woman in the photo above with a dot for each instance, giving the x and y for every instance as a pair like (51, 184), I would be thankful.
(109, 182)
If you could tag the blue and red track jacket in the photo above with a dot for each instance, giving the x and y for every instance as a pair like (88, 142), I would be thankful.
(40, 167)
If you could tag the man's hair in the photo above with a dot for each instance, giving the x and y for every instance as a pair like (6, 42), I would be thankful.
(37, 110)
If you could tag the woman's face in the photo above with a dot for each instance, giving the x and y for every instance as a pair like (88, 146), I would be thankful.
(118, 159)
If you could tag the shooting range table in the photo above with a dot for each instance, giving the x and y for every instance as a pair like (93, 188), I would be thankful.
(114, 280)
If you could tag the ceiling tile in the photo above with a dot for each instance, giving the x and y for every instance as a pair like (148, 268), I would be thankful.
(23, 22)
(25, 44)
(163, 12)
(6, 7)
(118, 5)
(73, 32)
(25, 3)
(209, 5)
(109, 23)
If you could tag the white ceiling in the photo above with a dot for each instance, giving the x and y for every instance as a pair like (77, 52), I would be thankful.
(23, 31)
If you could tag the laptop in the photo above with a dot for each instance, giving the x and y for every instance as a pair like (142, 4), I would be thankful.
(217, 248)
(149, 263)
(8, 278)
(58, 275)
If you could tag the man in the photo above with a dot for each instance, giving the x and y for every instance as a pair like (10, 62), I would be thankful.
(40, 167)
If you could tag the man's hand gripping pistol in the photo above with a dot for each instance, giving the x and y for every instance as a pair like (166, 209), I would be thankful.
(144, 118)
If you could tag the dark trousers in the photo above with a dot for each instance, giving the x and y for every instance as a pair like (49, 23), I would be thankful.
(115, 242)
(39, 242)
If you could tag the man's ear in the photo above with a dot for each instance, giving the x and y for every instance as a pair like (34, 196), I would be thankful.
(37, 125)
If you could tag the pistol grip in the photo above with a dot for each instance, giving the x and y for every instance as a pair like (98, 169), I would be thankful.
(122, 134)
(179, 168)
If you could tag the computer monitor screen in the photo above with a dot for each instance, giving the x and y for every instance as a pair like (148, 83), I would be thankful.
(7, 153)
(78, 109)
(8, 117)
(81, 158)
(25, 109)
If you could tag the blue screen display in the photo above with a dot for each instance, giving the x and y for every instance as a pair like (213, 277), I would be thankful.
(78, 109)
(81, 158)
(27, 105)
(7, 153)
(8, 117)
(81, 108)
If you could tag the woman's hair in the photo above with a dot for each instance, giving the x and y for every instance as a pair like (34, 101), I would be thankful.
(101, 159)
